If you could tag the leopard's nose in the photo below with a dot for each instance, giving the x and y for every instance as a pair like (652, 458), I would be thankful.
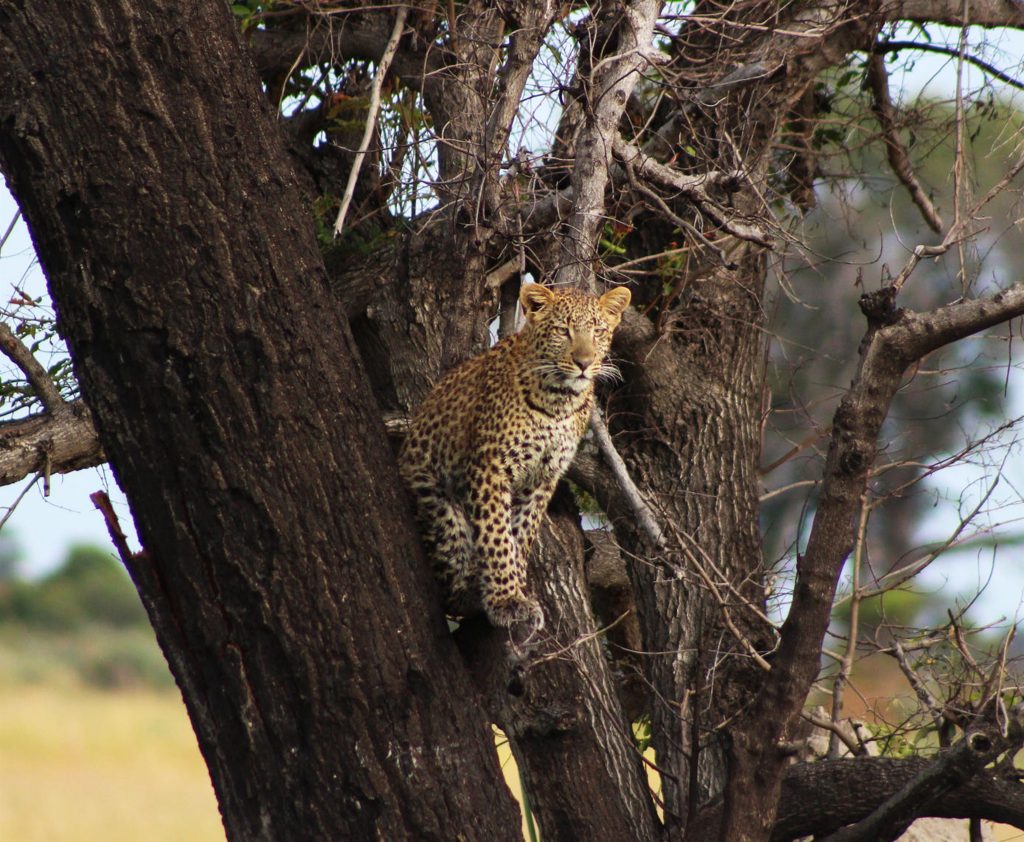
(583, 360)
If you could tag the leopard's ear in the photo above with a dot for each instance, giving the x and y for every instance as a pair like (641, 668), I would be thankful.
(534, 298)
(615, 301)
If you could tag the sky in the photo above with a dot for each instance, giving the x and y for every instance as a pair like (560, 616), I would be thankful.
(45, 527)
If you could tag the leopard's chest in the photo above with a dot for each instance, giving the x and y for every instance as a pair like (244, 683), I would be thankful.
(541, 452)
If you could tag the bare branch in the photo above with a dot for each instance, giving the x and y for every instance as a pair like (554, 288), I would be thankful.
(979, 747)
(918, 334)
(881, 104)
(847, 736)
(610, 84)
(957, 231)
(987, 13)
(931, 704)
(894, 340)
(823, 796)
(15, 350)
(889, 46)
(10, 227)
(361, 37)
(371, 116)
(524, 44)
(102, 502)
(644, 516)
(694, 189)
(68, 440)
(21, 496)
(846, 665)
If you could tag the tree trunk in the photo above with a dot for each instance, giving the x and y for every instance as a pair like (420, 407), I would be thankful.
(281, 568)
(573, 744)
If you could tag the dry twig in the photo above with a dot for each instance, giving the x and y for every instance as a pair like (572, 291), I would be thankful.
(899, 160)
(14, 349)
(371, 117)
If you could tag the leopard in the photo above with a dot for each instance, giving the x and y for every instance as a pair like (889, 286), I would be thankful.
(487, 447)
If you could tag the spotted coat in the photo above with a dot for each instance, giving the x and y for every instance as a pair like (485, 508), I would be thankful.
(491, 440)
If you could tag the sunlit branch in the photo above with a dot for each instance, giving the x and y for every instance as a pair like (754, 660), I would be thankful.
(371, 116)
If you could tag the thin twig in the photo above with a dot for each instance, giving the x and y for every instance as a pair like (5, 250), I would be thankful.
(18, 499)
(956, 231)
(694, 189)
(10, 228)
(835, 730)
(683, 225)
(898, 575)
(923, 693)
(709, 583)
(14, 349)
(959, 160)
(371, 117)
(634, 498)
(991, 70)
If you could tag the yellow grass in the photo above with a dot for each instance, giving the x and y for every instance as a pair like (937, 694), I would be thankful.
(78, 765)
(81, 765)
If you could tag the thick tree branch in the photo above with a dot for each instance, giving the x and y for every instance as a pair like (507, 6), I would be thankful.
(978, 748)
(275, 50)
(55, 443)
(988, 13)
(611, 82)
(894, 340)
(916, 334)
(532, 20)
(819, 798)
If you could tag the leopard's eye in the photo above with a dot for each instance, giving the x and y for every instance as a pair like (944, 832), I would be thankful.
(565, 330)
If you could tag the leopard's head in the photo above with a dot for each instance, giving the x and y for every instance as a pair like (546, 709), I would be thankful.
(569, 332)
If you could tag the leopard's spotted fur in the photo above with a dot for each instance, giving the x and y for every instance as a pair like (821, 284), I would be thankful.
(486, 449)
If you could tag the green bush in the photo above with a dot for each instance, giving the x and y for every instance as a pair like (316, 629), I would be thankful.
(97, 656)
(90, 587)
(81, 625)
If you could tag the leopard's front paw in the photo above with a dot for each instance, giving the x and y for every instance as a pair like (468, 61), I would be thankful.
(522, 616)
(516, 610)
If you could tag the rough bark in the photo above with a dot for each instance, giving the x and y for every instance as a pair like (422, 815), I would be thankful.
(575, 748)
(819, 798)
(231, 398)
(281, 569)
(49, 443)
(689, 425)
